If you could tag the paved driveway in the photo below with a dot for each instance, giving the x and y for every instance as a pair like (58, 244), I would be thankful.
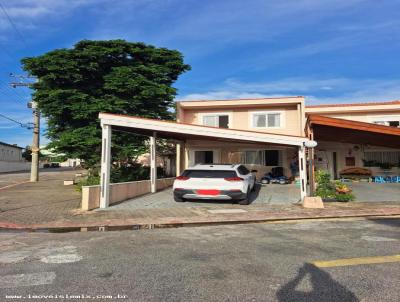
(371, 192)
(264, 194)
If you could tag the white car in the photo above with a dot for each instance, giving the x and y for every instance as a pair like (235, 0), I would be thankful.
(215, 182)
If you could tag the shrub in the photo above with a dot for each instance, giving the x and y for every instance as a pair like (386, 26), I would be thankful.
(326, 189)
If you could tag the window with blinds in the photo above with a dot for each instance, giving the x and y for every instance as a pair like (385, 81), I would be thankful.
(379, 157)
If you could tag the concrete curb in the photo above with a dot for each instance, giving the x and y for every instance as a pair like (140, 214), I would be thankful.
(174, 222)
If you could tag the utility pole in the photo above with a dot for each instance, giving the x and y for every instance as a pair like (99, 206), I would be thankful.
(35, 143)
(36, 129)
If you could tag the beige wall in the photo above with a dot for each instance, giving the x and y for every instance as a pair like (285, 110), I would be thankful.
(120, 192)
(367, 117)
(240, 118)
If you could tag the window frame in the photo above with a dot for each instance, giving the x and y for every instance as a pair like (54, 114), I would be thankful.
(282, 119)
(218, 114)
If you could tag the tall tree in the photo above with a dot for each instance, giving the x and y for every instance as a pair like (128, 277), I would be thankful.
(113, 76)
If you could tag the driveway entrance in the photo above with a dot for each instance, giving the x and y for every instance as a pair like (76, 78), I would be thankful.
(264, 194)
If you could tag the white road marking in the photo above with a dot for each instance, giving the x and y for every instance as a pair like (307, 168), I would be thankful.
(61, 258)
(377, 238)
(227, 211)
(19, 280)
(13, 256)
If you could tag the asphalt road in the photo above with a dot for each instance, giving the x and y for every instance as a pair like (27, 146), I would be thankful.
(254, 262)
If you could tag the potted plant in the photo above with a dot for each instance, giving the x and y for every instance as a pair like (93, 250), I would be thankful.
(334, 191)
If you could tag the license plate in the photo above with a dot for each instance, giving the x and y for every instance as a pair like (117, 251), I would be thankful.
(208, 192)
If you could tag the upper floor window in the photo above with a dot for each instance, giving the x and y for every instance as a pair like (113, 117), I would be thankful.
(216, 120)
(272, 119)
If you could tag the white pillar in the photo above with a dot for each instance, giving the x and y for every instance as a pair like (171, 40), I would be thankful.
(302, 172)
(178, 158)
(105, 166)
(153, 163)
(186, 151)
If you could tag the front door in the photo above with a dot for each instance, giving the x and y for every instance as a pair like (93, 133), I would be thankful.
(203, 156)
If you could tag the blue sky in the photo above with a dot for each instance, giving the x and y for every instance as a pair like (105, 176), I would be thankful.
(328, 51)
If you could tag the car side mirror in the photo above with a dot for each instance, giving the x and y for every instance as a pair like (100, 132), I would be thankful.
(254, 171)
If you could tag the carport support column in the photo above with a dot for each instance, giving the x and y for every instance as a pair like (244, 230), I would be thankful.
(105, 166)
(178, 160)
(302, 172)
(153, 163)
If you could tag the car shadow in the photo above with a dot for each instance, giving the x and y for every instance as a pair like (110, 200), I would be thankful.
(254, 194)
(324, 288)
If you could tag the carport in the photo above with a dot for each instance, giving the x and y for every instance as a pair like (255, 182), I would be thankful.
(180, 132)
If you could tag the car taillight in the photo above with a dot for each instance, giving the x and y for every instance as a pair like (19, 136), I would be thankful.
(233, 179)
(182, 178)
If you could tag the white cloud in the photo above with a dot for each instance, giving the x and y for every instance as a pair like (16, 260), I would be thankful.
(316, 90)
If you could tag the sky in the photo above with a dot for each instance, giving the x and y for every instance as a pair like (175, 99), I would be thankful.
(330, 51)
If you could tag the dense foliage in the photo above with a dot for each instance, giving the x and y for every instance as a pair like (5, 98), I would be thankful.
(329, 190)
(103, 76)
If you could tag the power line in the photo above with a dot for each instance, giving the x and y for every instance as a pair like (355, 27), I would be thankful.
(15, 121)
(13, 25)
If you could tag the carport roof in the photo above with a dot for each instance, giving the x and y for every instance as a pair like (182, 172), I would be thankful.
(346, 131)
(183, 131)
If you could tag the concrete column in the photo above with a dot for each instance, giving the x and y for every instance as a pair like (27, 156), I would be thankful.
(178, 158)
(186, 150)
(105, 166)
(153, 163)
(302, 172)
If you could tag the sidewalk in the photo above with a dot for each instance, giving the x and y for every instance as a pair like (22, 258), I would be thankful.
(50, 204)
(178, 217)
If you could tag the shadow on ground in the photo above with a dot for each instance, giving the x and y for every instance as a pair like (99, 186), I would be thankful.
(324, 288)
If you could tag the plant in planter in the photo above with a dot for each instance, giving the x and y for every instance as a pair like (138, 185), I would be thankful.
(329, 190)
(325, 188)
(343, 192)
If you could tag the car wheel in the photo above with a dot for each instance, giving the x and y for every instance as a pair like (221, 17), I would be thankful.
(178, 199)
(246, 201)
(254, 187)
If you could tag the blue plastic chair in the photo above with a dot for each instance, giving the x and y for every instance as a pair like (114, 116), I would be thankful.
(395, 179)
(379, 179)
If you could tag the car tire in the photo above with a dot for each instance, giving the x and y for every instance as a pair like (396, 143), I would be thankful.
(246, 201)
(254, 187)
(177, 199)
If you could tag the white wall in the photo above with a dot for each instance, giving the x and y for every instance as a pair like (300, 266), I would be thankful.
(10, 153)
(14, 166)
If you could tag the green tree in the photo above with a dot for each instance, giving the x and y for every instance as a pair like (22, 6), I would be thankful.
(113, 76)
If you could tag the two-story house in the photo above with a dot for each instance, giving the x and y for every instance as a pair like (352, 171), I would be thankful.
(265, 133)
(285, 116)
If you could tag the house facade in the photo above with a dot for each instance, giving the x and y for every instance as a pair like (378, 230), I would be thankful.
(289, 116)
(284, 116)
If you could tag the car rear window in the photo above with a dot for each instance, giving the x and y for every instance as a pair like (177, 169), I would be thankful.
(209, 174)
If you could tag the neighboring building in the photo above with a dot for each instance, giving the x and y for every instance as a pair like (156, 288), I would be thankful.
(11, 158)
(49, 156)
(339, 149)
